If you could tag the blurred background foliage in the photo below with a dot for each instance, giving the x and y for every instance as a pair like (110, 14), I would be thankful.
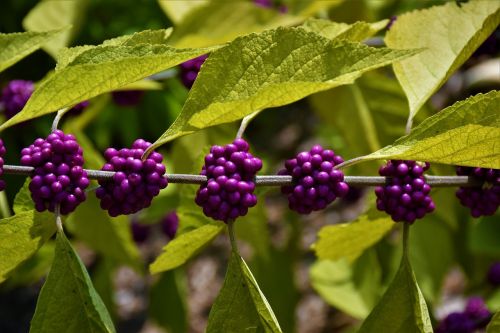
(450, 252)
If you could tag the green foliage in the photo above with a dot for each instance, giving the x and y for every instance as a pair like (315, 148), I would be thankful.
(85, 72)
(482, 237)
(15, 46)
(220, 22)
(358, 31)
(465, 133)
(494, 325)
(270, 69)
(50, 15)
(241, 306)
(68, 302)
(177, 10)
(349, 240)
(449, 34)
(402, 308)
(21, 236)
(184, 246)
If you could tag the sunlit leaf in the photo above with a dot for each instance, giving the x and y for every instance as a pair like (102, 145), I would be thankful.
(68, 302)
(177, 10)
(270, 69)
(449, 34)
(358, 31)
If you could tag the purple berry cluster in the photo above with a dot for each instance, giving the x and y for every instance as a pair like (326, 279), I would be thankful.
(406, 194)
(135, 182)
(58, 178)
(190, 69)
(15, 95)
(474, 318)
(2, 154)
(230, 170)
(316, 182)
(127, 97)
(483, 200)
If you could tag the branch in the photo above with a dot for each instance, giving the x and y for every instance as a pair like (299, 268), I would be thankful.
(267, 180)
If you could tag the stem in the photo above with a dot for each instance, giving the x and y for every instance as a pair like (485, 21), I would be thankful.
(58, 218)
(409, 124)
(232, 238)
(58, 117)
(245, 122)
(4, 206)
(267, 180)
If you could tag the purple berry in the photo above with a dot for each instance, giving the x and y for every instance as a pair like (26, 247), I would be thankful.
(169, 224)
(59, 153)
(494, 274)
(15, 95)
(477, 310)
(127, 97)
(406, 194)
(482, 200)
(2, 154)
(189, 70)
(135, 182)
(316, 183)
(140, 231)
(228, 192)
(456, 322)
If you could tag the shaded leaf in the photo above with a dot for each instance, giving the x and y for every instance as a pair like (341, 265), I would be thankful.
(271, 69)
(179, 250)
(482, 237)
(21, 236)
(241, 306)
(449, 34)
(465, 133)
(101, 69)
(68, 302)
(349, 240)
(358, 31)
(494, 325)
(15, 46)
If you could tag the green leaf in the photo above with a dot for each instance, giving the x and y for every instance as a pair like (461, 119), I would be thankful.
(177, 10)
(449, 34)
(21, 236)
(241, 306)
(167, 301)
(101, 69)
(179, 250)
(358, 31)
(14, 47)
(68, 302)
(219, 22)
(270, 69)
(482, 238)
(23, 201)
(109, 236)
(494, 325)
(402, 308)
(465, 133)
(50, 15)
(349, 240)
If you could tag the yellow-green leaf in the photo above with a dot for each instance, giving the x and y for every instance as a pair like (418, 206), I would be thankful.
(349, 240)
(494, 325)
(270, 69)
(177, 10)
(21, 236)
(14, 47)
(358, 31)
(222, 21)
(53, 14)
(178, 251)
(68, 301)
(100, 69)
(449, 34)
(465, 133)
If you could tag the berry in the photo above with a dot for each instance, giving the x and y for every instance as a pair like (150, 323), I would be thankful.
(169, 224)
(2, 154)
(127, 97)
(456, 322)
(482, 200)
(230, 171)
(315, 181)
(494, 274)
(189, 70)
(477, 310)
(58, 178)
(140, 231)
(135, 182)
(406, 194)
(15, 95)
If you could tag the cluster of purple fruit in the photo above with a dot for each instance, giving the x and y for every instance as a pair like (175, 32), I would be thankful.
(15, 95)
(135, 182)
(406, 194)
(2, 154)
(485, 199)
(472, 319)
(316, 182)
(58, 178)
(141, 231)
(189, 70)
(230, 170)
